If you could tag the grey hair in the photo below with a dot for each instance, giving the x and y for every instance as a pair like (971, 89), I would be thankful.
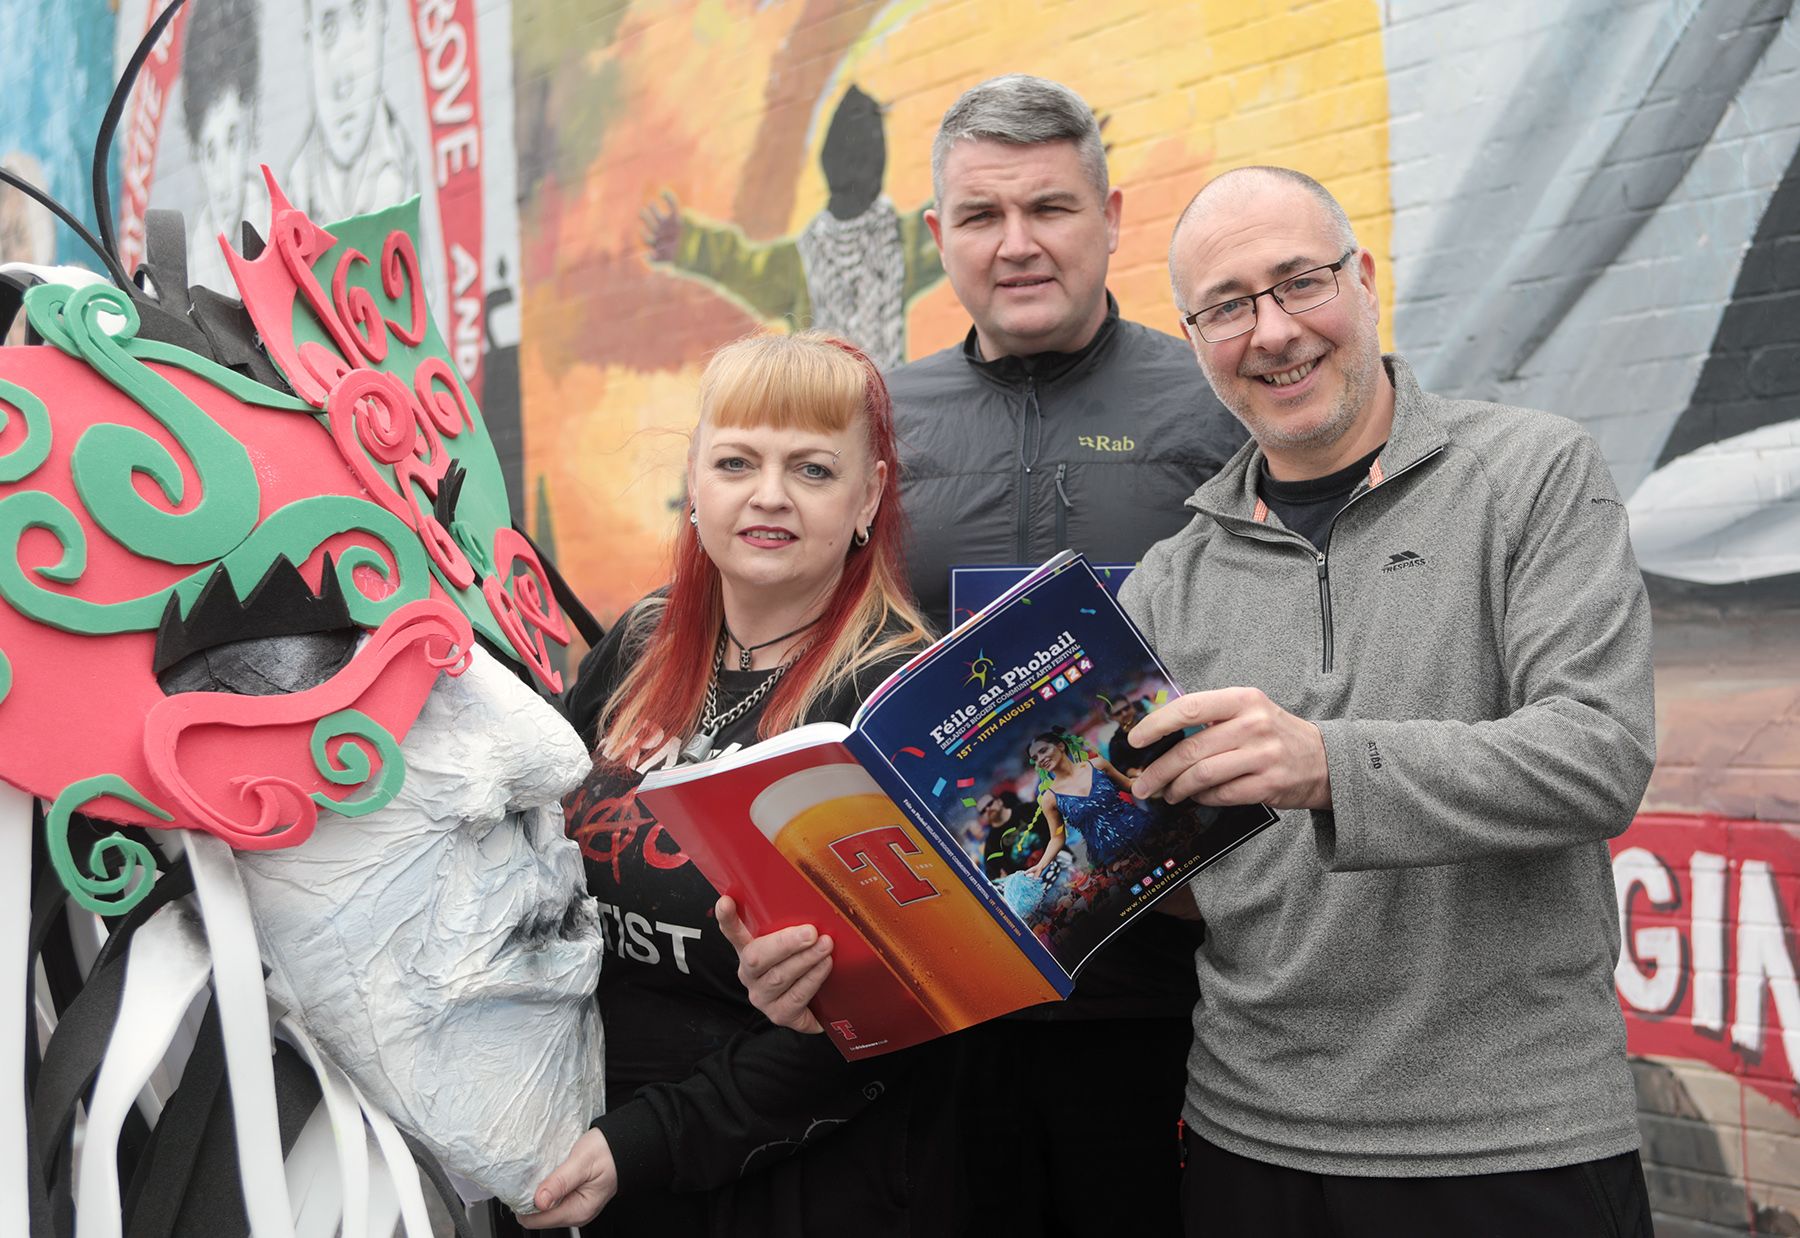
(1334, 212)
(1020, 110)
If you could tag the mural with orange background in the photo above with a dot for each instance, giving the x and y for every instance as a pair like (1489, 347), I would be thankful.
(709, 118)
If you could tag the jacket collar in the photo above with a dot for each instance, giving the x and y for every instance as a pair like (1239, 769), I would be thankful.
(1043, 367)
(1416, 435)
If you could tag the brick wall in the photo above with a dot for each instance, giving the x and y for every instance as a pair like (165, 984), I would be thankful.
(1595, 212)
(1591, 207)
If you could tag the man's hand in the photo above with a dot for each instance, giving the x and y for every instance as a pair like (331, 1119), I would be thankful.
(660, 228)
(782, 970)
(1251, 752)
(578, 1188)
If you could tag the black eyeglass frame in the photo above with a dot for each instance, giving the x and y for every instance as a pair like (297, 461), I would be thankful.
(1193, 319)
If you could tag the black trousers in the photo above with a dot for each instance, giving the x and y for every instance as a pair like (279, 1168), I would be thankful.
(1224, 1195)
(1071, 1129)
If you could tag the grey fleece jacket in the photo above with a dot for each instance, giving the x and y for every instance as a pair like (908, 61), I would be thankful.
(1419, 981)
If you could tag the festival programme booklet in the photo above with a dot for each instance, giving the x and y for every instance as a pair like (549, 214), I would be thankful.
(970, 840)
(974, 586)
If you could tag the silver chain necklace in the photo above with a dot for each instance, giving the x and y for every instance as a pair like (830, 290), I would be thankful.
(711, 720)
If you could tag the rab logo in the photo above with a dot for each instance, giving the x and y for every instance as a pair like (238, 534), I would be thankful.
(885, 849)
(1099, 442)
(1405, 558)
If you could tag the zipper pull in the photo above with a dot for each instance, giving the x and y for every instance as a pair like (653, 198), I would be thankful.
(1062, 470)
(1319, 558)
(1037, 439)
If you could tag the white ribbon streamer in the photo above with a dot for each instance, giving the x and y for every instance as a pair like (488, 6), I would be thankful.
(166, 969)
(346, 1129)
(244, 1022)
(15, 944)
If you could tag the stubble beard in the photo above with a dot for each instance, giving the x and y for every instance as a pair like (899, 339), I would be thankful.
(1358, 360)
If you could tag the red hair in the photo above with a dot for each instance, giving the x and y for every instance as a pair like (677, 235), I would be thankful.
(806, 380)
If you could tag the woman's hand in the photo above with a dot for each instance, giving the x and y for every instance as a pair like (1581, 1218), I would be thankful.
(578, 1188)
(782, 971)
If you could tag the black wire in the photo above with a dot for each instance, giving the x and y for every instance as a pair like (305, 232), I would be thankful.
(103, 141)
(63, 213)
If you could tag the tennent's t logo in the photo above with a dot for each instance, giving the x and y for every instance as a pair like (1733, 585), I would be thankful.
(886, 849)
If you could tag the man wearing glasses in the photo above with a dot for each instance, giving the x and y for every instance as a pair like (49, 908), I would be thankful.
(1407, 1024)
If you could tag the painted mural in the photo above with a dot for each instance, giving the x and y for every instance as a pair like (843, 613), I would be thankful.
(355, 105)
(47, 122)
(1596, 216)
(657, 230)
(1595, 212)
(1601, 218)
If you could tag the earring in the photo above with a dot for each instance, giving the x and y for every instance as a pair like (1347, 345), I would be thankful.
(861, 536)
(694, 516)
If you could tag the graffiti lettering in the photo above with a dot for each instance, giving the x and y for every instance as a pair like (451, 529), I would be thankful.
(605, 829)
(450, 65)
(446, 49)
(1707, 966)
(1658, 948)
(654, 853)
(466, 338)
(456, 151)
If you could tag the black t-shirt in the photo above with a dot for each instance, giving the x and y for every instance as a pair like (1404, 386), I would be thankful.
(701, 1090)
(1308, 507)
(669, 992)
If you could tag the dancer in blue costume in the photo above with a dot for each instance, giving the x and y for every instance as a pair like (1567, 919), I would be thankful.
(1082, 790)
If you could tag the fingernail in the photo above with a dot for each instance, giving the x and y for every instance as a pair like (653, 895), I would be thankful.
(807, 935)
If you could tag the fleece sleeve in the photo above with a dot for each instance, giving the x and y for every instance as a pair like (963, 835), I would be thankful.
(760, 1098)
(1570, 760)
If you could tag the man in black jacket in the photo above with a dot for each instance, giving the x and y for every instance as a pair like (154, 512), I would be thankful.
(1057, 423)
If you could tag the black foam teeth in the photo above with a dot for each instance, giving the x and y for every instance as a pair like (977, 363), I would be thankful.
(281, 604)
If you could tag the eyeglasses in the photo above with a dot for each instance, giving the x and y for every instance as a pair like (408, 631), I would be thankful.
(1296, 294)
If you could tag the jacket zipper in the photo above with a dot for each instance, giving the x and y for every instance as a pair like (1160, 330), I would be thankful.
(1063, 507)
(1320, 556)
(1325, 599)
(1031, 431)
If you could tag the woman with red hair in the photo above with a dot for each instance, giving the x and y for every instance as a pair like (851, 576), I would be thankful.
(787, 603)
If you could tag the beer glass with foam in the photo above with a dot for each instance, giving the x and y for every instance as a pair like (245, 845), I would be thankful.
(834, 824)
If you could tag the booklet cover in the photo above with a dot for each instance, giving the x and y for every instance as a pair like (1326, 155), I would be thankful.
(974, 586)
(970, 840)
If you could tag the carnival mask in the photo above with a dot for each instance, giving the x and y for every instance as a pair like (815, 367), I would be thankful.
(228, 609)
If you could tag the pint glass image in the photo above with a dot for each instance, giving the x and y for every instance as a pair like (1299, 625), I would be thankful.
(835, 826)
